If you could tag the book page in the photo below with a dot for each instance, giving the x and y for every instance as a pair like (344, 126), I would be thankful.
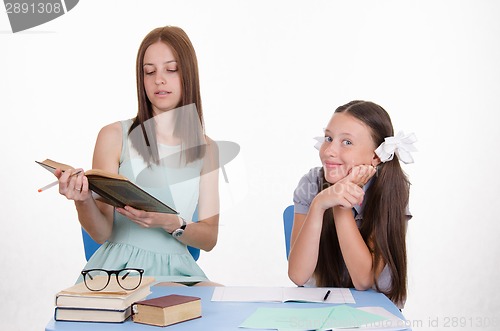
(53, 165)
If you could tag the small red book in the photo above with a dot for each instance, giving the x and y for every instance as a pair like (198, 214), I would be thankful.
(166, 310)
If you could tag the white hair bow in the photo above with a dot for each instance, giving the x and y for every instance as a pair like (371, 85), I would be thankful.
(401, 145)
(319, 142)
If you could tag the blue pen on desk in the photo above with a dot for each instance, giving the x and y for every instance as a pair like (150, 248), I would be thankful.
(326, 295)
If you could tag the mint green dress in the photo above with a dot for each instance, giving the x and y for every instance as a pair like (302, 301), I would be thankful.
(154, 250)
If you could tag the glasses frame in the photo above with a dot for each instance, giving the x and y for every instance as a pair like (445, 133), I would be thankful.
(85, 274)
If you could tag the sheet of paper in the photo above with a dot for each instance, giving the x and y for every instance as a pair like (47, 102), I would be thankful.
(248, 294)
(328, 318)
(287, 318)
(317, 294)
(392, 322)
(282, 294)
(343, 317)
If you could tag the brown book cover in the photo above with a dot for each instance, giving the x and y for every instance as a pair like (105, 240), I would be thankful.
(166, 310)
(114, 189)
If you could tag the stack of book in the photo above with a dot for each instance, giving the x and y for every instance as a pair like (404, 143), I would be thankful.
(113, 304)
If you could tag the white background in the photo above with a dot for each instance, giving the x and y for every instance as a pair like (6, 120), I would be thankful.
(271, 75)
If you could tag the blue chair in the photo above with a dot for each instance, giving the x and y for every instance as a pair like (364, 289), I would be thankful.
(91, 246)
(195, 252)
(287, 225)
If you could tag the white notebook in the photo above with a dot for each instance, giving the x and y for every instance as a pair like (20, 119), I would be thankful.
(283, 294)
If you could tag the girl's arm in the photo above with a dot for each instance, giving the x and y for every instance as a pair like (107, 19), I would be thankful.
(356, 253)
(306, 233)
(304, 245)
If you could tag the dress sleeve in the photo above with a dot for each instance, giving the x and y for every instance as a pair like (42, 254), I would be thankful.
(306, 191)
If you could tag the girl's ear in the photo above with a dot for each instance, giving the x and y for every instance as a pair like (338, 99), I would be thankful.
(375, 160)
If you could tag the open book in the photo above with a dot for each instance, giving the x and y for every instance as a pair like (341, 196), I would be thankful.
(115, 190)
(283, 294)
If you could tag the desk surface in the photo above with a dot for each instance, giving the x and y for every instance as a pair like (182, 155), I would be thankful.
(217, 316)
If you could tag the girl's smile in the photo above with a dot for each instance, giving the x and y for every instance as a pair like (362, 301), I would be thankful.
(348, 142)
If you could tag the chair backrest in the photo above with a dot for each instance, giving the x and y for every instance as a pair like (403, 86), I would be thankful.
(195, 252)
(287, 226)
(91, 246)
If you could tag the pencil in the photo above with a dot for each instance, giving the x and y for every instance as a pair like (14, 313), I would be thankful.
(46, 187)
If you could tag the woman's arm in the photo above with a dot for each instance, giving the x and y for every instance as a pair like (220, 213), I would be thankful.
(202, 234)
(94, 216)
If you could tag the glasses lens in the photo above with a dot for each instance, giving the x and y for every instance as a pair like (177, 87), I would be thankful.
(96, 280)
(129, 279)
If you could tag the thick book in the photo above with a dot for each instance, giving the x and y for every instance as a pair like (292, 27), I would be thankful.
(115, 190)
(166, 310)
(91, 315)
(113, 297)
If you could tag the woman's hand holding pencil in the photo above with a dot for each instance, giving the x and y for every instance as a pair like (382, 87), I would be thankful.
(46, 187)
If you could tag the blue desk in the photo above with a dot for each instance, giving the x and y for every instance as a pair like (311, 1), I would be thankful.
(217, 316)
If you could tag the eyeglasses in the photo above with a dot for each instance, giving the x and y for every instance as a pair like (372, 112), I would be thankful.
(97, 279)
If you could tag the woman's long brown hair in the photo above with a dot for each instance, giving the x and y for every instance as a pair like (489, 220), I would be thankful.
(188, 127)
(384, 214)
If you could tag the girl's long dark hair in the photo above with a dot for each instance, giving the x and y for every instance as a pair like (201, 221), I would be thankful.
(189, 125)
(384, 214)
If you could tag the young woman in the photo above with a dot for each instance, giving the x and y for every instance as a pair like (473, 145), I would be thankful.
(351, 214)
(165, 151)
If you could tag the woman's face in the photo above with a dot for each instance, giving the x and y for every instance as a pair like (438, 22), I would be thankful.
(348, 142)
(162, 80)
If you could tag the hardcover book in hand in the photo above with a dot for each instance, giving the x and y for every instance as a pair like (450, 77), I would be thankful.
(166, 310)
(115, 190)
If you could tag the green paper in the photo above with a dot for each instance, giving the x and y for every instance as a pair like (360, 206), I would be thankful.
(295, 319)
(349, 317)
(287, 318)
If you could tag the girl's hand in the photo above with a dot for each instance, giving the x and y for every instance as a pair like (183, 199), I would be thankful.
(348, 191)
(168, 222)
(344, 193)
(361, 174)
(73, 184)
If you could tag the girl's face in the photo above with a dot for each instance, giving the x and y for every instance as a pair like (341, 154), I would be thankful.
(162, 80)
(348, 142)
